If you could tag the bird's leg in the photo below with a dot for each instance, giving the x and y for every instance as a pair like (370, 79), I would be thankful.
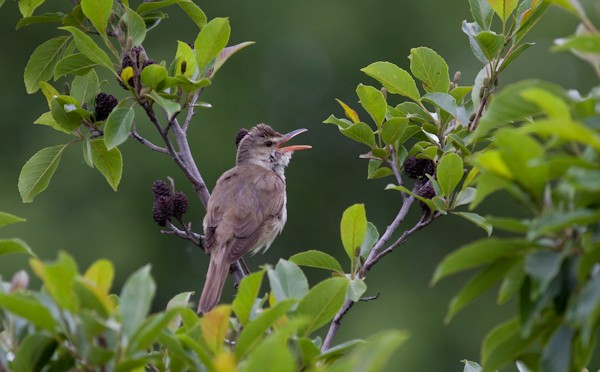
(239, 270)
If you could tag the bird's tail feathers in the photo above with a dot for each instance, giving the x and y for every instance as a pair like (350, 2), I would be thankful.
(215, 279)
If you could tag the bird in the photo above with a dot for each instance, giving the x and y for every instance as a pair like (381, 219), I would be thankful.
(247, 208)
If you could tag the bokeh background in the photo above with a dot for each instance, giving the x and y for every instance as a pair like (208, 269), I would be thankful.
(307, 53)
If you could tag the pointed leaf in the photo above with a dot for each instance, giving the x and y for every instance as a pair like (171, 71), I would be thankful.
(322, 302)
(29, 308)
(136, 299)
(449, 172)
(42, 62)
(211, 40)
(108, 162)
(85, 88)
(482, 13)
(89, 48)
(360, 132)
(477, 220)
(38, 171)
(59, 279)
(353, 229)
(194, 12)
(430, 68)
(349, 112)
(371, 237)
(76, 64)
(98, 12)
(27, 7)
(503, 8)
(317, 259)
(246, 296)
(170, 107)
(136, 28)
(101, 274)
(490, 43)
(15, 245)
(118, 126)
(393, 129)
(394, 79)
(225, 54)
(373, 101)
(356, 288)
(7, 219)
(185, 57)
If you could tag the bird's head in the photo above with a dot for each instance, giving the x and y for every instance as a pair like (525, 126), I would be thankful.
(264, 146)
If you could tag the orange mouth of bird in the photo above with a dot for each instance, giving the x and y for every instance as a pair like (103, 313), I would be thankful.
(288, 136)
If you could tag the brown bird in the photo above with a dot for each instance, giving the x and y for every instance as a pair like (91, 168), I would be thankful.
(247, 208)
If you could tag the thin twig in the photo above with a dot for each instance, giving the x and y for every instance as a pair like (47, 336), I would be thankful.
(394, 164)
(135, 135)
(191, 113)
(186, 234)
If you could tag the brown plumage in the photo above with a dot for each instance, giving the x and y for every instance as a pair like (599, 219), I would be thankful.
(247, 208)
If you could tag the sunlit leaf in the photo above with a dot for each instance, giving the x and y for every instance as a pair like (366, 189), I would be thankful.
(313, 258)
(211, 40)
(449, 172)
(353, 229)
(108, 162)
(42, 62)
(38, 171)
(246, 295)
(503, 8)
(373, 101)
(118, 126)
(394, 79)
(430, 68)
(98, 12)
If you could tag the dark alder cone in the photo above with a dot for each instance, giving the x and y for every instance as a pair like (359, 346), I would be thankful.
(417, 168)
(240, 134)
(162, 210)
(160, 188)
(180, 204)
(105, 103)
(426, 191)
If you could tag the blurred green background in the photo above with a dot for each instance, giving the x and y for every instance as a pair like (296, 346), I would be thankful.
(307, 53)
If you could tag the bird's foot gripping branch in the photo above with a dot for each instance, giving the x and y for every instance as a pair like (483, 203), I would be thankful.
(445, 145)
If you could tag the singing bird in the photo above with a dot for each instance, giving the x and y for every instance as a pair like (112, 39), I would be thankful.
(247, 208)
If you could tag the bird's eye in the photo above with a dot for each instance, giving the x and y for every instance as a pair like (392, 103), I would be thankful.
(269, 143)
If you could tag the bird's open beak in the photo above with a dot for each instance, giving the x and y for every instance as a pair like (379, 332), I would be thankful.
(288, 136)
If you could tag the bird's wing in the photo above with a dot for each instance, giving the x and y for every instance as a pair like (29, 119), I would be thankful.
(248, 196)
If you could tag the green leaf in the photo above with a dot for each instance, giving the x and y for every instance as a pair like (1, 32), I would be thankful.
(27, 7)
(449, 172)
(211, 40)
(322, 302)
(85, 88)
(136, 28)
(38, 171)
(223, 56)
(59, 279)
(394, 79)
(371, 237)
(49, 92)
(287, 281)
(512, 283)
(34, 352)
(482, 13)
(373, 355)
(180, 301)
(516, 52)
(89, 48)
(430, 203)
(373, 101)
(543, 267)
(246, 295)
(136, 299)
(108, 162)
(530, 17)
(28, 307)
(353, 229)
(7, 219)
(318, 259)
(442, 100)
(170, 107)
(356, 288)
(559, 220)
(430, 68)
(118, 126)
(360, 132)
(480, 283)
(15, 245)
(194, 12)
(503, 8)
(465, 196)
(76, 64)
(471, 29)
(100, 274)
(153, 75)
(272, 355)
(471, 366)
(393, 129)
(42, 18)
(42, 62)
(254, 330)
(584, 43)
(149, 330)
(554, 106)
(185, 54)
(66, 112)
(490, 43)
(337, 351)
(566, 130)
(479, 253)
(477, 220)
(557, 354)
(151, 6)
(214, 326)
(98, 12)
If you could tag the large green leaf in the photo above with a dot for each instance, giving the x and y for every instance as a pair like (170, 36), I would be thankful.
(482, 13)
(7, 219)
(98, 12)
(479, 253)
(254, 330)
(449, 172)
(360, 132)
(28, 307)
(194, 12)
(136, 299)
(149, 330)
(152, 76)
(373, 101)
(480, 283)
(67, 112)
(557, 354)
(287, 281)
(430, 68)
(136, 28)
(503, 8)
(77, 64)
(38, 171)
(246, 296)
(108, 162)
(170, 107)
(353, 229)
(211, 40)
(393, 129)
(322, 302)
(394, 79)
(89, 48)
(118, 126)
(271, 355)
(59, 279)
(318, 259)
(42, 62)
(214, 326)
(185, 57)
(27, 7)
(490, 43)
(34, 352)
(15, 245)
